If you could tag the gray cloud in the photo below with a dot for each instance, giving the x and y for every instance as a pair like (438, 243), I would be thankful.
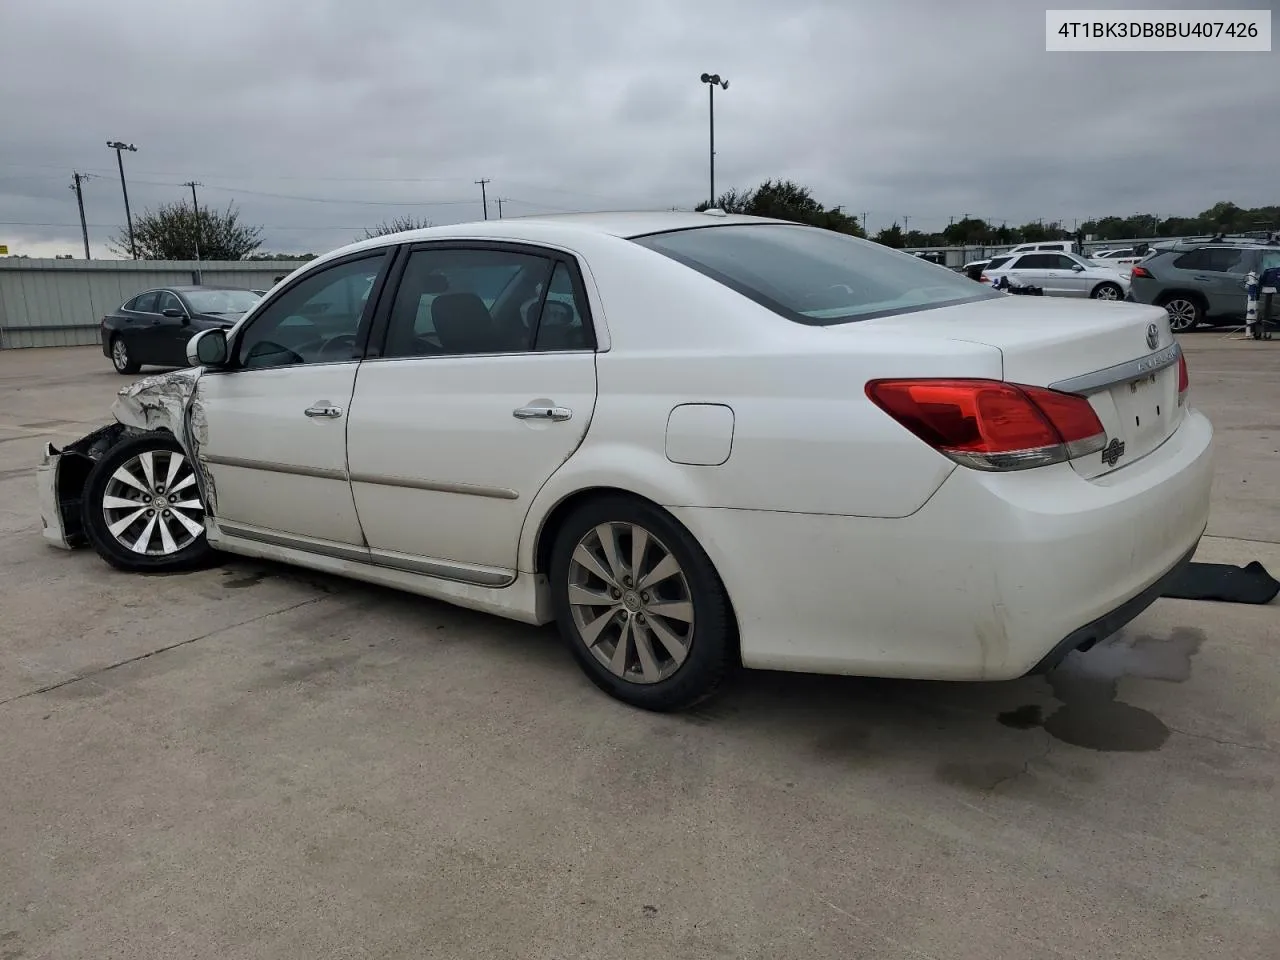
(320, 117)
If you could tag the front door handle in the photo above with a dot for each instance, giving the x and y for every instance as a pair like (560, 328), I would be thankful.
(542, 413)
(324, 412)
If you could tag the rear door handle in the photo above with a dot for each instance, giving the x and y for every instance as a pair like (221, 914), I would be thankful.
(324, 412)
(542, 413)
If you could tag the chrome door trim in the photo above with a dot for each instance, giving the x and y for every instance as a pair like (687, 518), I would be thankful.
(414, 483)
(291, 541)
(1122, 372)
(406, 563)
(443, 569)
(320, 473)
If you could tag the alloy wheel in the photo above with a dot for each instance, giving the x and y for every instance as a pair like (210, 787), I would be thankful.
(631, 602)
(1182, 314)
(152, 504)
(1107, 292)
(120, 354)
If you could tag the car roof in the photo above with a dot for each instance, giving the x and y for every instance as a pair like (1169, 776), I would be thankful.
(193, 288)
(554, 228)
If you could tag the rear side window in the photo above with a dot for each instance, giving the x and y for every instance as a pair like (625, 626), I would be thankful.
(995, 263)
(1037, 261)
(815, 276)
(145, 303)
(1210, 259)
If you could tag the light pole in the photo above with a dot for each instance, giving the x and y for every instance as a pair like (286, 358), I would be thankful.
(712, 80)
(117, 146)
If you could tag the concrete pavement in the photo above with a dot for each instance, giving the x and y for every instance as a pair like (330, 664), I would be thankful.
(257, 762)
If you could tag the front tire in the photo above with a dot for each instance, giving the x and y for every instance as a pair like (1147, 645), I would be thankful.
(1107, 291)
(640, 604)
(121, 359)
(142, 510)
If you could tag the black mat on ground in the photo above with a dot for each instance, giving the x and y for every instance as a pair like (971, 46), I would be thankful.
(1221, 581)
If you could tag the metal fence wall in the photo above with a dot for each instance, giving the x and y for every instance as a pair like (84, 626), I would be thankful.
(60, 303)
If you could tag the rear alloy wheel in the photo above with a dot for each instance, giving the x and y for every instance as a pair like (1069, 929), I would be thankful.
(142, 509)
(640, 605)
(1184, 314)
(120, 358)
(1107, 291)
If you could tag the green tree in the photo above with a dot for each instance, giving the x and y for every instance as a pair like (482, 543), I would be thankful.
(892, 237)
(786, 200)
(395, 225)
(173, 231)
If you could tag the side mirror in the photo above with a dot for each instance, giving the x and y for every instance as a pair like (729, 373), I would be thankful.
(208, 348)
(174, 312)
(1077, 268)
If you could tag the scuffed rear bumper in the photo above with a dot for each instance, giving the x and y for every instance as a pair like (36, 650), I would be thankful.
(60, 479)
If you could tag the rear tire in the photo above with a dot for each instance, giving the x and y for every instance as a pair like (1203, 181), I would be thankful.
(1107, 291)
(1185, 313)
(120, 358)
(142, 511)
(640, 604)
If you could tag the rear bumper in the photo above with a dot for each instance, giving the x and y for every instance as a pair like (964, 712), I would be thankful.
(106, 343)
(1112, 623)
(996, 575)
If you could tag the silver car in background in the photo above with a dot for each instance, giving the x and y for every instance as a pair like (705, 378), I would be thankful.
(1060, 275)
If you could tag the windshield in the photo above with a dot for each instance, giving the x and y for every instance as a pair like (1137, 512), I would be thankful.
(222, 301)
(815, 276)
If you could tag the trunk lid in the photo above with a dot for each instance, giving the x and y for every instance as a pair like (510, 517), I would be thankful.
(1099, 350)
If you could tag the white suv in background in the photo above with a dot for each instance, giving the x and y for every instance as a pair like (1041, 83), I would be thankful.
(1122, 259)
(1064, 246)
(1059, 275)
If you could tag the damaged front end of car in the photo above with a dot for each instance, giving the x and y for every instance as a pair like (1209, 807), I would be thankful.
(159, 403)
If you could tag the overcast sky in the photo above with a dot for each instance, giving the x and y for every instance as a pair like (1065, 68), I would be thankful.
(902, 108)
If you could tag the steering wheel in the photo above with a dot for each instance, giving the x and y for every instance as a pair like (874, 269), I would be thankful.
(557, 314)
(344, 341)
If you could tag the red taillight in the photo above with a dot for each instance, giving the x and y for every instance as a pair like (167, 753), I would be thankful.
(984, 279)
(992, 425)
(1141, 272)
(1184, 379)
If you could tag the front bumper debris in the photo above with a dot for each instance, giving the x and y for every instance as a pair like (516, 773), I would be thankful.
(60, 479)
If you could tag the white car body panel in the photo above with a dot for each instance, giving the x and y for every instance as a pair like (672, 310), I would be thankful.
(441, 467)
(846, 544)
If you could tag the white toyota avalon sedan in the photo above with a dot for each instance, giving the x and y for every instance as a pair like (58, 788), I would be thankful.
(692, 440)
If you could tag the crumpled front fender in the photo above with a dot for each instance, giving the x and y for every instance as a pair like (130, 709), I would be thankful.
(163, 402)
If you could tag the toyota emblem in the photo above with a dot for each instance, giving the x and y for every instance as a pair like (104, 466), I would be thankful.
(1153, 336)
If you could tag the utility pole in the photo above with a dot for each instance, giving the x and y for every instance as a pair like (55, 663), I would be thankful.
(712, 80)
(499, 208)
(483, 197)
(76, 180)
(195, 211)
(865, 228)
(906, 222)
(117, 146)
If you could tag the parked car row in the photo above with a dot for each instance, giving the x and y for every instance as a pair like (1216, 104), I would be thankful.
(691, 440)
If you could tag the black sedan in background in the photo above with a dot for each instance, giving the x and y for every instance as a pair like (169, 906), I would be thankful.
(154, 327)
